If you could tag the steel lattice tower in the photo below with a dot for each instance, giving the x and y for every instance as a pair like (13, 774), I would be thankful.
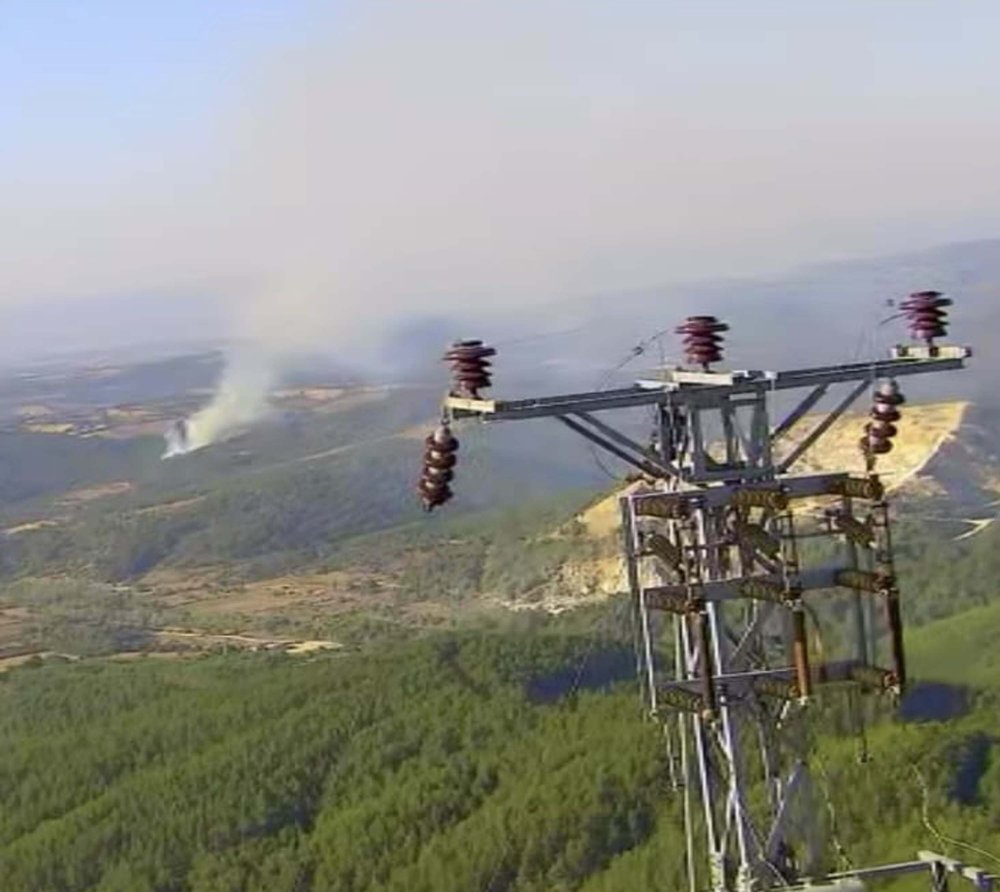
(722, 598)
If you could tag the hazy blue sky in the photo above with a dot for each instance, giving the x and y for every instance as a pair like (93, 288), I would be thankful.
(354, 159)
(89, 86)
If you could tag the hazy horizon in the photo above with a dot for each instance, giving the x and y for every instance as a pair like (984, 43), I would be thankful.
(129, 325)
(300, 172)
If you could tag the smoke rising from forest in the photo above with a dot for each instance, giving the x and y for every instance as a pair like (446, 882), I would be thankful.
(239, 400)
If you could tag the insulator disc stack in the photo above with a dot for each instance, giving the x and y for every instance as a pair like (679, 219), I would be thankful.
(439, 463)
(470, 367)
(702, 339)
(926, 314)
(879, 432)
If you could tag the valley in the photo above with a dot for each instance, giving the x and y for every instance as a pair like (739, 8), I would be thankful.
(499, 447)
(381, 699)
(274, 619)
(277, 537)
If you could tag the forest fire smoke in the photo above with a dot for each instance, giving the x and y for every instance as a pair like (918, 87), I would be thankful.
(239, 400)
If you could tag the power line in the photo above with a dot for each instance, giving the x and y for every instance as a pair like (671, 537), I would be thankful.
(638, 350)
(943, 840)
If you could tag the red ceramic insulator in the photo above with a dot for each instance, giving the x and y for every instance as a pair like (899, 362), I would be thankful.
(438, 471)
(880, 431)
(927, 316)
(702, 339)
(470, 367)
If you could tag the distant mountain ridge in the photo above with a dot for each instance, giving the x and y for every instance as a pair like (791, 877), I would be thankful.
(575, 342)
(312, 517)
(817, 314)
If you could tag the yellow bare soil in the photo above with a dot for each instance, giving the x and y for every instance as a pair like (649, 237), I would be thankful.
(8, 663)
(33, 410)
(171, 507)
(50, 427)
(129, 413)
(328, 399)
(923, 430)
(600, 520)
(207, 593)
(310, 647)
(100, 491)
(311, 394)
(31, 526)
(599, 576)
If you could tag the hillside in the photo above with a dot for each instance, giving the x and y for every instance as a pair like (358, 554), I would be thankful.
(924, 430)
(960, 649)
(941, 463)
(305, 528)
(263, 668)
(462, 762)
(108, 547)
(280, 537)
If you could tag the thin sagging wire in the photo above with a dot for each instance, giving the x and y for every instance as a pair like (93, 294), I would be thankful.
(943, 840)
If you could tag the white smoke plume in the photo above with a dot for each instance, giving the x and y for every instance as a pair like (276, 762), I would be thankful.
(268, 339)
(239, 401)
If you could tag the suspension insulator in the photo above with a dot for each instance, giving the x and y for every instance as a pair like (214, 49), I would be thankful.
(756, 538)
(681, 699)
(759, 497)
(800, 652)
(873, 677)
(876, 583)
(894, 617)
(439, 462)
(759, 588)
(706, 672)
(470, 367)
(662, 548)
(869, 488)
(702, 339)
(663, 506)
(925, 311)
(859, 533)
(879, 432)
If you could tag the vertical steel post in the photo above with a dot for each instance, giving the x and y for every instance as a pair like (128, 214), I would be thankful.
(862, 651)
(645, 666)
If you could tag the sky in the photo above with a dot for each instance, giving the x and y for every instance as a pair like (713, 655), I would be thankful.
(316, 169)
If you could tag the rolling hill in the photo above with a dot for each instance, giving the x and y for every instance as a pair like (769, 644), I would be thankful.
(307, 529)
(960, 649)
(262, 668)
(469, 761)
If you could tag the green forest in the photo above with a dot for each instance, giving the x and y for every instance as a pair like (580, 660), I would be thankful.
(496, 751)
(262, 504)
(440, 764)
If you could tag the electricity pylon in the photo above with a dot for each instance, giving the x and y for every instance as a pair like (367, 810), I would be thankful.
(713, 542)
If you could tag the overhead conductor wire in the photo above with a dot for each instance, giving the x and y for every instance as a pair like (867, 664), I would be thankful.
(638, 350)
(925, 817)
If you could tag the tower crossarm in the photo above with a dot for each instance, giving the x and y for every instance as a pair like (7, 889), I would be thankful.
(682, 388)
(761, 588)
